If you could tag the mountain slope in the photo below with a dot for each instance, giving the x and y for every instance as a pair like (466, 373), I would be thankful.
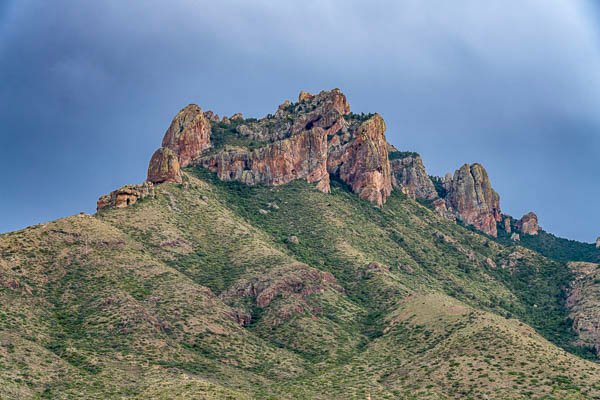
(198, 290)
(295, 256)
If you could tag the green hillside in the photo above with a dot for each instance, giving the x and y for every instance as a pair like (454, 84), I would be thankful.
(222, 290)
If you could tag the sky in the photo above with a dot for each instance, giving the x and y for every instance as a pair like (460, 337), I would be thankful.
(87, 89)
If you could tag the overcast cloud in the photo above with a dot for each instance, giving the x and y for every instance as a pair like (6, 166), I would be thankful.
(88, 88)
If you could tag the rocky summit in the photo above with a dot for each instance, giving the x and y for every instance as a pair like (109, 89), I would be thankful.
(310, 139)
(297, 256)
(471, 195)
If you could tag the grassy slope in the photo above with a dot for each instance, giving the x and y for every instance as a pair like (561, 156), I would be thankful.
(555, 247)
(139, 302)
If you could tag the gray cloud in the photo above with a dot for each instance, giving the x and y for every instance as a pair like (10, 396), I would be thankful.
(87, 89)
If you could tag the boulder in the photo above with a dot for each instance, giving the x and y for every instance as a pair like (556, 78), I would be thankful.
(188, 135)
(472, 198)
(528, 224)
(164, 167)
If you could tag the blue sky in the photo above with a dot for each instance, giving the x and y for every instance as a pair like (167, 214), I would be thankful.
(87, 89)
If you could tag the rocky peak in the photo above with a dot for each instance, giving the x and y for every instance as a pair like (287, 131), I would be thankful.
(472, 198)
(303, 96)
(410, 176)
(598, 242)
(164, 167)
(528, 224)
(359, 156)
(309, 140)
(188, 135)
(211, 116)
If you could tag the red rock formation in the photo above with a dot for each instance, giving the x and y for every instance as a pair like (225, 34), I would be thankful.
(528, 224)
(125, 196)
(164, 167)
(188, 135)
(303, 96)
(296, 147)
(296, 282)
(323, 110)
(473, 199)
(303, 156)
(363, 162)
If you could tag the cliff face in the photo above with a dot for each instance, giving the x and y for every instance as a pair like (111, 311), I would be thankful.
(583, 302)
(309, 140)
(411, 177)
(472, 198)
(360, 158)
(303, 156)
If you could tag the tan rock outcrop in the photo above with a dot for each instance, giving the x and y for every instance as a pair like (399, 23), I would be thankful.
(125, 196)
(528, 224)
(164, 167)
(411, 178)
(472, 198)
(237, 117)
(303, 96)
(188, 135)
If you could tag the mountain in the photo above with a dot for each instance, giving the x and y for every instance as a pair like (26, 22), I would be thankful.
(296, 256)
